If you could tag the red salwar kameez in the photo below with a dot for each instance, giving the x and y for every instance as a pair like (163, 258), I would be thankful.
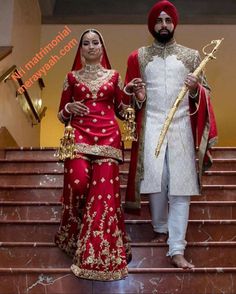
(92, 226)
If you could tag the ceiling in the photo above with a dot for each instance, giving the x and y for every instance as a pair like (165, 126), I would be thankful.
(134, 11)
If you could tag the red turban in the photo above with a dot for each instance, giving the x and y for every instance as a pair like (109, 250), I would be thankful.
(155, 11)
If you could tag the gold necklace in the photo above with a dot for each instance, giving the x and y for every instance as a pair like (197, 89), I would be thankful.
(93, 71)
(93, 76)
(92, 68)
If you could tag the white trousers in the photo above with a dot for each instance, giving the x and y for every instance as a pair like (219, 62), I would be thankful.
(170, 215)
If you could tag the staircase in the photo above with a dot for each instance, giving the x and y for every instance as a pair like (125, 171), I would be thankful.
(30, 263)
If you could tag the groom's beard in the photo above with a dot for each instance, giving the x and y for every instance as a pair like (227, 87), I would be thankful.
(164, 38)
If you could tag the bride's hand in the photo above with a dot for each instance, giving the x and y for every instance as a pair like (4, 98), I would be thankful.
(136, 86)
(78, 108)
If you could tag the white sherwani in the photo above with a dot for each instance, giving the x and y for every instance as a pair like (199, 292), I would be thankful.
(164, 75)
(170, 179)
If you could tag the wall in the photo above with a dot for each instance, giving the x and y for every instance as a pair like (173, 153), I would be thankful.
(121, 40)
(23, 33)
(6, 17)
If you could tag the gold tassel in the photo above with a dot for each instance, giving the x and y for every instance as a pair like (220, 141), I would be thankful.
(67, 147)
(129, 125)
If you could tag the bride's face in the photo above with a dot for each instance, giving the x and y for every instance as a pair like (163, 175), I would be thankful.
(91, 48)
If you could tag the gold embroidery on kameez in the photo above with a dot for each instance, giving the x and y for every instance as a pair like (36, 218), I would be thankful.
(93, 85)
(65, 84)
(102, 150)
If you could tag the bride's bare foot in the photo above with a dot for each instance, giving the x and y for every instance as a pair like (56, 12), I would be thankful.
(179, 261)
(159, 238)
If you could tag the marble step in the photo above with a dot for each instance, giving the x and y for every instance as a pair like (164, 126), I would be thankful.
(222, 164)
(49, 153)
(30, 193)
(204, 210)
(22, 166)
(10, 210)
(55, 179)
(145, 255)
(224, 152)
(40, 166)
(219, 178)
(205, 280)
(139, 230)
(197, 231)
(217, 193)
(54, 166)
(30, 153)
(44, 193)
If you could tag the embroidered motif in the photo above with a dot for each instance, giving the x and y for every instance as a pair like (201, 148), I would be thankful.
(97, 275)
(103, 150)
(93, 85)
(83, 157)
(106, 160)
(187, 56)
(67, 235)
(66, 84)
(110, 254)
(120, 83)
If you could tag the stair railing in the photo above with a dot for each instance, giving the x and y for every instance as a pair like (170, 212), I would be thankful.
(8, 76)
